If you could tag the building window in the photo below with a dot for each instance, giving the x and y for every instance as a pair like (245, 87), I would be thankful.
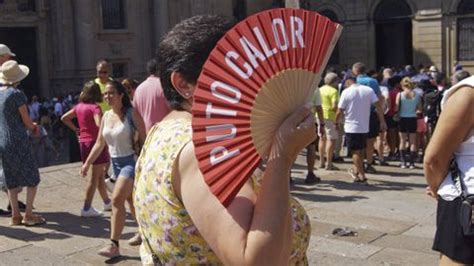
(466, 7)
(113, 14)
(119, 70)
(465, 30)
(465, 39)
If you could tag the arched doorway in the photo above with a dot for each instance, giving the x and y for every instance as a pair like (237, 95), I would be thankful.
(22, 42)
(334, 59)
(393, 31)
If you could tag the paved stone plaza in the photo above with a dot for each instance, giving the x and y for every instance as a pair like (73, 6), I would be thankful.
(394, 219)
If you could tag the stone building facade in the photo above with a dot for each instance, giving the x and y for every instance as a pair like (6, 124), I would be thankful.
(61, 40)
(399, 32)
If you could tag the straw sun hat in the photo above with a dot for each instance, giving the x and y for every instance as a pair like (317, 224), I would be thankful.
(11, 72)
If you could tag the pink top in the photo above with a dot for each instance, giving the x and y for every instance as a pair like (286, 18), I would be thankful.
(88, 130)
(150, 102)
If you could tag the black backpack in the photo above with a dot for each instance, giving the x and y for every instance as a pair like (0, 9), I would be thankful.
(432, 104)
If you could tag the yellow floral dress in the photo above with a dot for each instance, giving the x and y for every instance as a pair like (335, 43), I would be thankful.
(166, 227)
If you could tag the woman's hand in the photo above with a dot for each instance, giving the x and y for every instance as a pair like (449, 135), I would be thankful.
(430, 193)
(36, 130)
(295, 133)
(84, 169)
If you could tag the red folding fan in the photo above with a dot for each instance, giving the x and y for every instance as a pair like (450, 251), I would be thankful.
(260, 72)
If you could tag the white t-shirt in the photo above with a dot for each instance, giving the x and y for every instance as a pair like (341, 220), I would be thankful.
(464, 155)
(118, 136)
(58, 109)
(356, 102)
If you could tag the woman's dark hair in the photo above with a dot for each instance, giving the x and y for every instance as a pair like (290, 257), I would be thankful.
(133, 83)
(126, 103)
(185, 49)
(90, 93)
(152, 67)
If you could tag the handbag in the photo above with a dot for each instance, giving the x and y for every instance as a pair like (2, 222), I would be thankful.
(466, 211)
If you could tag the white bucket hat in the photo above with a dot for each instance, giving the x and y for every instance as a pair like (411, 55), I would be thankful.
(11, 72)
(5, 50)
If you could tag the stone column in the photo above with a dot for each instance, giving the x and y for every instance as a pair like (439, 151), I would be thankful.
(86, 22)
(62, 32)
(160, 22)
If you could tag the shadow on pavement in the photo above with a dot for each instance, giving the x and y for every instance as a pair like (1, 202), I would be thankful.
(329, 185)
(62, 222)
(122, 258)
(373, 185)
(325, 198)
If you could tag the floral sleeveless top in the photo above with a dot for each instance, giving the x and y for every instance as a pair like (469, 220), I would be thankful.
(167, 229)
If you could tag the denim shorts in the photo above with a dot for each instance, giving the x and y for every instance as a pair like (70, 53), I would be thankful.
(124, 166)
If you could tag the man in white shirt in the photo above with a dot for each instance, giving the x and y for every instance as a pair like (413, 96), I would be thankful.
(34, 108)
(355, 104)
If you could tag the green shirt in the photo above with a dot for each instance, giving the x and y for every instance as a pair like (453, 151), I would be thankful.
(103, 105)
(329, 98)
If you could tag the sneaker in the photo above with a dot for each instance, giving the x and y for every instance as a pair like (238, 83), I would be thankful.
(5, 212)
(412, 166)
(403, 166)
(91, 212)
(354, 176)
(107, 207)
(312, 179)
(136, 240)
(370, 169)
(110, 251)
(110, 184)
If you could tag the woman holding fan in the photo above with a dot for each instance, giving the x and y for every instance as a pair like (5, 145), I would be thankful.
(180, 220)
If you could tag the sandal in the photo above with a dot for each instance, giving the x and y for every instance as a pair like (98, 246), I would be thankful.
(16, 220)
(33, 220)
(343, 231)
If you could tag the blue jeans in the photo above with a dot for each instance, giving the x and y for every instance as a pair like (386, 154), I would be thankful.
(124, 166)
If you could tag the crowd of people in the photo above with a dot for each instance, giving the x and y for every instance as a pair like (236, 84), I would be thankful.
(142, 131)
(392, 124)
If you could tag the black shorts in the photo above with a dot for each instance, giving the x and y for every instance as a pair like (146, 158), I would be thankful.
(449, 238)
(390, 122)
(408, 124)
(374, 126)
(356, 141)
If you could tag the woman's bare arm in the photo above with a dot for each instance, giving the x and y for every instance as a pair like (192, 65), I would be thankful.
(454, 124)
(67, 120)
(25, 118)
